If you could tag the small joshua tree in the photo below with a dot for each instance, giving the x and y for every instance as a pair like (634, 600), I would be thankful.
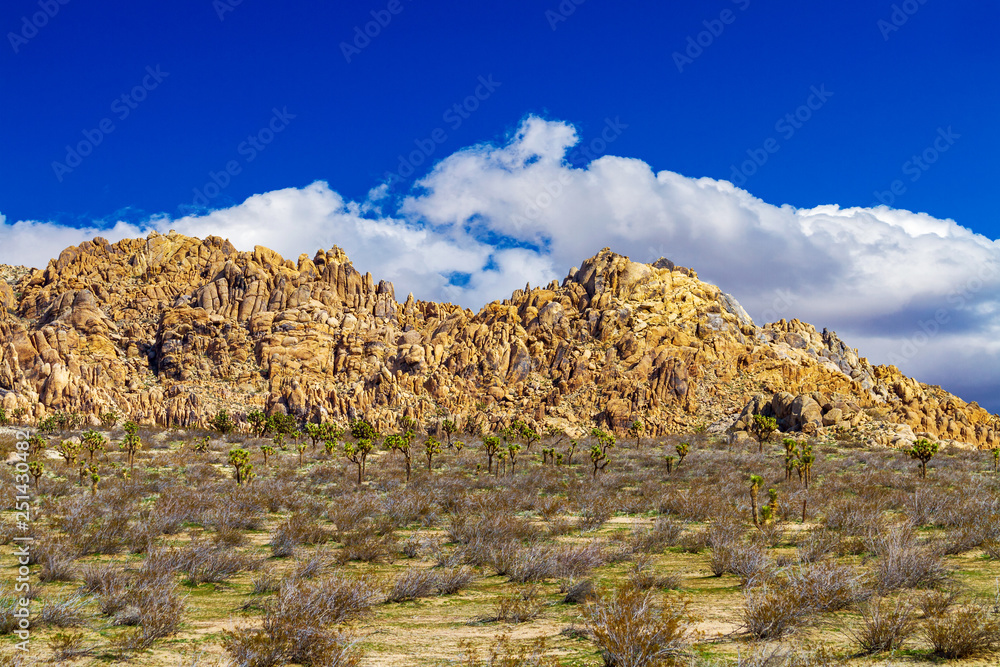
(200, 445)
(131, 443)
(996, 458)
(401, 443)
(599, 451)
(300, 448)
(36, 443)
(93, 442)
(682, 450)
(791, 450)
(635, 429)
(512, 452)
(222, 422)
(755, 483)
(573, 443)
(491, 445)
(450, 428)
(358, 452)
(36, 469)
(239, 458)
(770, 511)
(109, 419)
(4, 419)
(266, 450)
(923, 450)
(805, 463)
(69, 450)
(671, 462)
(761, 429)
(431, 447)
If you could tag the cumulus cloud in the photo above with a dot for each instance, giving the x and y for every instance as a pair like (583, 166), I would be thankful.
(904, 287)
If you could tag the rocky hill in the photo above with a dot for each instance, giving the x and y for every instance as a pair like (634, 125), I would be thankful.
(170, 329)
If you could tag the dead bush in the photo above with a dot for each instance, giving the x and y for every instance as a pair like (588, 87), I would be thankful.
(885, 626)
(503, 653)
(579, 592)
(451, 580)
(65, 612)
(963, 632)
(632, 629)
(904, 562)
(771, 610)
(516, 606)
(204, 562)
(413, 583)
(642, 576)
(816, 545)
(828, 587)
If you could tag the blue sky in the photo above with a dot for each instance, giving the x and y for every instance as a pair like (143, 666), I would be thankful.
(805, 104)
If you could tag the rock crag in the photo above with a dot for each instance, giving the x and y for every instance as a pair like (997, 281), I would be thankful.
(169, 329)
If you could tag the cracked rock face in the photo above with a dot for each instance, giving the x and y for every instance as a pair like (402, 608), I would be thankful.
(169, 329)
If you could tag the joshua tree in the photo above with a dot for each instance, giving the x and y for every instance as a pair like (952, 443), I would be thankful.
(358, 453)
(755, 483)
(548, 454)
(258, 423)
(36, 469)
(362, 429)
(401, 443)
(791, 450)
(599, 458)
(682, 450)
(239, 458)
(109, 419)
(635, 429)
(131, 443)
(36, 443)
(450, 428)
(68, 450)
(222, 422)
(93, 442)
(761, 429)
(459, 446)
(4, 419)
(996, 458)
(770, 511)
(266, 450)
(300, 448)
(279, 441)
(806, 460)
(408, 423)
(923, 450)
(491, 445)
(431, 447)
(671, 460)
(95, 479)
(200, 445)
(512, 451)
(573, 443)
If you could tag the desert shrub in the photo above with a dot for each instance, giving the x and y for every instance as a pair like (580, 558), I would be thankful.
(632, 629)
(453, 579)
(264, 584)
(503, 653)
(57, 563)
(313, 565)
(817, 545)
(516, 606)
(771, 610)
(63, 612)
(595, 510)
(884, 626)
(157, 610)
(579, 592)
(204, 562)
(938, 602)
(68, 646)
(642, 576)
(368, 545)
(904, 562)
(828, 586)
(489, 527)
(297, 624)
(8, 605)
(413, 583)
(963, 632)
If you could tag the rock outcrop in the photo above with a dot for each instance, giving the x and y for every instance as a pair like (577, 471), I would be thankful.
(170, 329)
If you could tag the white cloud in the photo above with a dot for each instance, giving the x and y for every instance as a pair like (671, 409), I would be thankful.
(516, 213)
